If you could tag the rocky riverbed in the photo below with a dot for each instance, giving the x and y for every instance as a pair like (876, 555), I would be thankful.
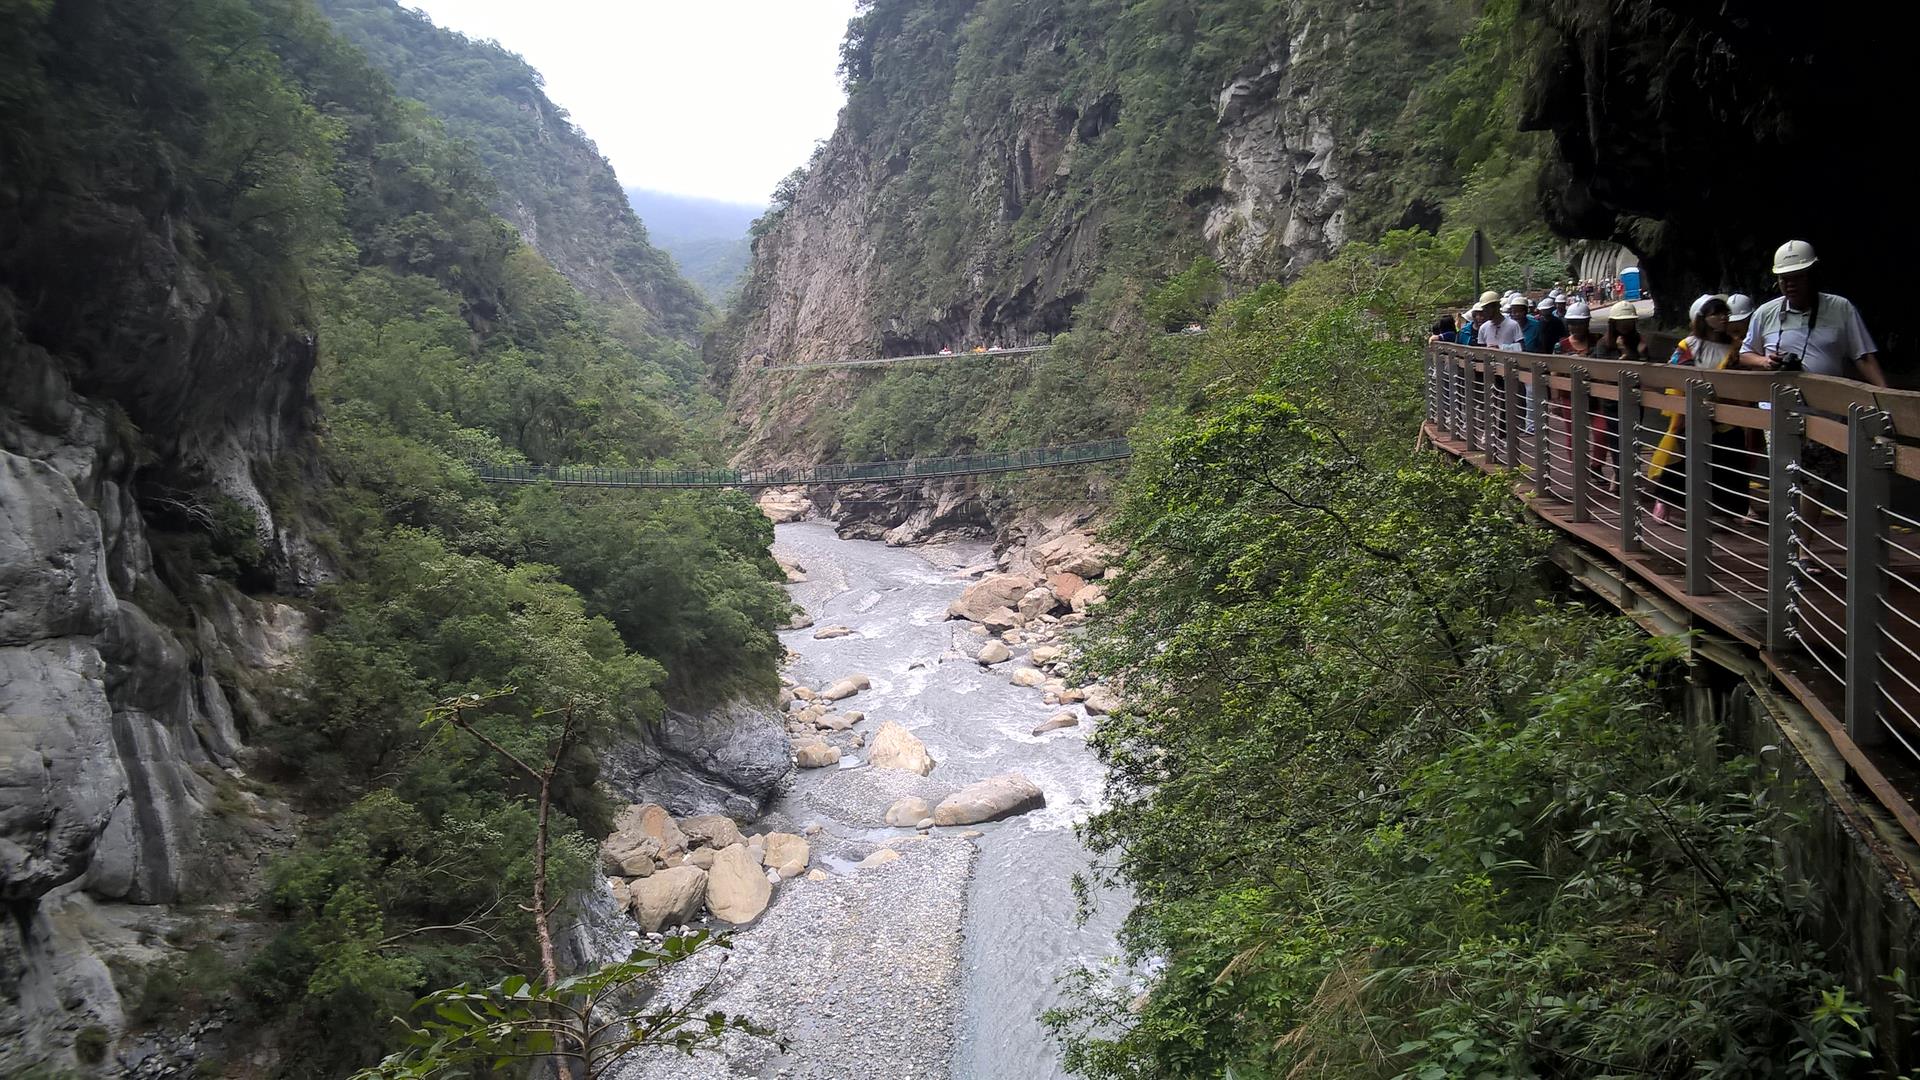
(912, 950)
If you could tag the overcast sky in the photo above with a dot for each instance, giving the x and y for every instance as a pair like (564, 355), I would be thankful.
(718, 98)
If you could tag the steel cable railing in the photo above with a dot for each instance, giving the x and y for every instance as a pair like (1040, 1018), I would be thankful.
(1723, 507)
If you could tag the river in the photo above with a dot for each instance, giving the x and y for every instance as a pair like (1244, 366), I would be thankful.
(939, 964)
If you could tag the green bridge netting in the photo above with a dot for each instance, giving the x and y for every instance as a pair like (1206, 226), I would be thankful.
(862, 472)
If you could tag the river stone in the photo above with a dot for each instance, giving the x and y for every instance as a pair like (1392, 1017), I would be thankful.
(1065, 585)
(630, 853)
(652, 819)
(784, 701)
(1088, 597)
(1101, 700)
(894, 747)
(834, 722)
(827, 633)
(737, 888)
(1045, 654)
(989, 800)
(878, 858)
(906, 812)
(700, 857)
(846, 688)
(1037, 602)
(1027, 676)
(711, 830)
(804, 693)
(1056, 722)
(994, 652)
(787, 853)
(800, 621)
(668, 898)
(814, 754)
(816, 875)
(1000, 620)
(618, 887)
(989, 596)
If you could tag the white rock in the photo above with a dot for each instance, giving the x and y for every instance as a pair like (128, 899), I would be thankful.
(847, 687)
(993, 652)
(814, 754)
(1027, 676)
(668, 898)
(894, 747)
(907, 812)
(1056, 722)
(786, 854)
(990, 800)
(1101, 700)
(879, 858)
(737, 887)
(828, 632)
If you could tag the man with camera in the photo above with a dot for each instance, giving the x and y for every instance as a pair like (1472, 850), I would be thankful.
(1804, 329)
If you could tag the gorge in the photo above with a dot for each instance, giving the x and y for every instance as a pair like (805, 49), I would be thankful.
(1327, 764)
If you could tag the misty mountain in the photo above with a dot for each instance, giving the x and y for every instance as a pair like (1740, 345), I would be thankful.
(706, 237)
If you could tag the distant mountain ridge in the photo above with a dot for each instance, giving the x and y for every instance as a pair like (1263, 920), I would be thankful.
(554, 186)
(706, 237)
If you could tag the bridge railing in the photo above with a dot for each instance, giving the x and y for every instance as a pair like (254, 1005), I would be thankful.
(852, 473)
(1777, 507)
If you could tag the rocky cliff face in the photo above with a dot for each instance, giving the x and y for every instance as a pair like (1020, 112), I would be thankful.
(127, 676)
(992, 167)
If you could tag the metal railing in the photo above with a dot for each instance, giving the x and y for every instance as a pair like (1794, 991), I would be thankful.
(1762, 502)
(862, 472)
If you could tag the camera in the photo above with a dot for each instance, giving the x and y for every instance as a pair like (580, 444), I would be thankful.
(1788, 362)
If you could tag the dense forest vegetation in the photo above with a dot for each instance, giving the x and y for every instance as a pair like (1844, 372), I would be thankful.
(550, 181)
(325, 207)
(1389, 807)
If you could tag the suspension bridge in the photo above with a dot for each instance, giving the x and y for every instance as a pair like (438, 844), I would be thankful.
(985, 464)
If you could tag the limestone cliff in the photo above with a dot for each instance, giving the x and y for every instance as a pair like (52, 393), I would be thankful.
(996, 163)
(127, 675)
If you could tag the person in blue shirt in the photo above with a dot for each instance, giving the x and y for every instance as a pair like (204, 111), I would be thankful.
(1544, 330)
(1470, 331)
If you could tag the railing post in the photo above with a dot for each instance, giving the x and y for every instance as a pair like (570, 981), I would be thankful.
(1473, 433)
(1869, 484)
(1542, 477)
(1510, 408)
(1459, 408)
(1579, 444)
(1627, 461)
(1433, 400)
(1699, 494)
(1785, 434)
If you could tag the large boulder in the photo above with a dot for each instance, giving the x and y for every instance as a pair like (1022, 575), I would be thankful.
(782, 506)
(1101, 700)
(894, 747)
(828, 633)
(1037, 602)
(1065, 586)
(671, 897)
(786, 854)
(1074, 553)
(1056, 722)
(983, 600)
(1027, 676)
(994, 652)
(847, 687)
(737, 888)
(814, 754)
(908, 812)
(711, 830)
(652, 819)
(989, 800)
(629, 853)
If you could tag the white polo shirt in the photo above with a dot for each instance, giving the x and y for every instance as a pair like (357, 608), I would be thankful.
(1505, 334)
(1829, 344)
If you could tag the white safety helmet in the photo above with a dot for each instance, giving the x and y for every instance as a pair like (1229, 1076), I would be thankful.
(1578, 310)
(1700, 304)
(1518, 300)
(1545, 304)
(1793, 257)
(1739, 307)
(1488, 299)
(1624, 311)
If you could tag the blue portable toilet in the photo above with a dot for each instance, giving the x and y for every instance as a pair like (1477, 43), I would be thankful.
(1630, 281)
